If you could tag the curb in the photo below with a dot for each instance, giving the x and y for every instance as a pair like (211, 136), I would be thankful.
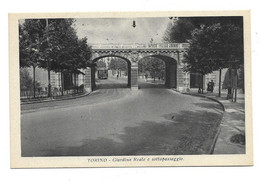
(212, 147)
(215, 100)
(54, 100)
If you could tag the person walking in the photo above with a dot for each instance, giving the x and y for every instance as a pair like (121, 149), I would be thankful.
(212, 86)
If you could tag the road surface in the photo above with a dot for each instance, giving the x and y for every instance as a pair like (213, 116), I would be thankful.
(118, 121)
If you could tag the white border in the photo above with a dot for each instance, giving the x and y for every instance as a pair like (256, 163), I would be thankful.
(188, 173)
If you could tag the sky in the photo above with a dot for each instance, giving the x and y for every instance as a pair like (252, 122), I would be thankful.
(120, 30)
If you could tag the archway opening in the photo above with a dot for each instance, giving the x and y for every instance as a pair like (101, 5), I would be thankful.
(165, 72)
(111, 72)
(151, 72)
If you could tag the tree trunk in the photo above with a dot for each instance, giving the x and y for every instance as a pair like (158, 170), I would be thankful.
(49, 80)
(202, 83)
(34, 87)
(232, 86)
(229, 95)
(219, 84)
(75, 85)
(235, 83)
(62, 82)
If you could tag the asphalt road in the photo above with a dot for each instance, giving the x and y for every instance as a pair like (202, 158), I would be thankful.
(118, 121)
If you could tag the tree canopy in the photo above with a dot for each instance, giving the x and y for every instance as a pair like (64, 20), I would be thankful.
(154, 66)
(54, 41)
(215, 42)
(101, 64)
(180, 31)
(214, 47)
(118, 64)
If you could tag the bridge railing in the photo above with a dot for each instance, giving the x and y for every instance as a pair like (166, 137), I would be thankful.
(141, 46)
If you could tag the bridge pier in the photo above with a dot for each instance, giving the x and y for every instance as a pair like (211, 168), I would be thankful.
(134, 76)
(171, 75)
(181, 80)
(88, 81)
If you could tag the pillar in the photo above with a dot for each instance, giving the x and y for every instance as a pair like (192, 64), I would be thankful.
(87, 83)
(181, 79)
(172, 75)
(128, 74)
(93, 78)
(134, 76)
(167, 74)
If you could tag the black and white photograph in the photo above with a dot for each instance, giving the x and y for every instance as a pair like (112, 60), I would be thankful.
(135, 90)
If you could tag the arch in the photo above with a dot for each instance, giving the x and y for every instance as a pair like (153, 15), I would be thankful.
(170, 69)
(112, 55)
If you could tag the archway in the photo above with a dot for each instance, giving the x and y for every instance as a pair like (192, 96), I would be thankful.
(117, 77)
(151, 72)
(170, 71)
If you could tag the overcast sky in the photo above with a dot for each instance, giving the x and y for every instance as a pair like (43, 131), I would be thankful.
(120, 30)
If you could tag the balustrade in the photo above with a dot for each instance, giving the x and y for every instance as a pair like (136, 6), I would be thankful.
(141, 46)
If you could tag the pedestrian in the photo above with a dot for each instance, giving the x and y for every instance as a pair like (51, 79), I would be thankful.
(117, 76)
(208, 86)
(212, 86)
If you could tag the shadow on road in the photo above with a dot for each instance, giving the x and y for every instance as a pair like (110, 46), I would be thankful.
(112, 86)
(208, 105)
(185, 133)
(146, 85)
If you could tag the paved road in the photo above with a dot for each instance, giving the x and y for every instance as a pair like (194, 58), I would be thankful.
(110, 89)
(118, 121)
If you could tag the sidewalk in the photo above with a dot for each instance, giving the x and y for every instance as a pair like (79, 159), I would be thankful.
(49, 99)
(231, 135)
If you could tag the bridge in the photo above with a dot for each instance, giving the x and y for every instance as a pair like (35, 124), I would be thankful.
(170, 53)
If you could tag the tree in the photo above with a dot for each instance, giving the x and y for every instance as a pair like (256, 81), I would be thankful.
(213, 48)
(241, 78)
(101, 64)
(26, 82)
(224, 36)
(152, 65)
(118, 64)
(53, 44)
(179, 32)
(29, 42)
(84, 53)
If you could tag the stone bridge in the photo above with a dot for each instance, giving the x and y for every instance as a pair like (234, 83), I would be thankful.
(170, 53)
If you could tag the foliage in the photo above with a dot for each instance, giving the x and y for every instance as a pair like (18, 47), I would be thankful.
(241, 78)
(55, 43)
(213, 48)
(118, 64)
(30, 34)
(180, 31)
(153, 65)
(26, 81)
(101, 64)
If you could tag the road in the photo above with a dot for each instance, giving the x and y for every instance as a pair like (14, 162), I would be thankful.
(118, 121)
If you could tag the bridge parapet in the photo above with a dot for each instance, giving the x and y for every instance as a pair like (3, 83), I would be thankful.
(141, 46)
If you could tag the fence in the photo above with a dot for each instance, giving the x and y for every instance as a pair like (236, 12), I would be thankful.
(55, 93)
